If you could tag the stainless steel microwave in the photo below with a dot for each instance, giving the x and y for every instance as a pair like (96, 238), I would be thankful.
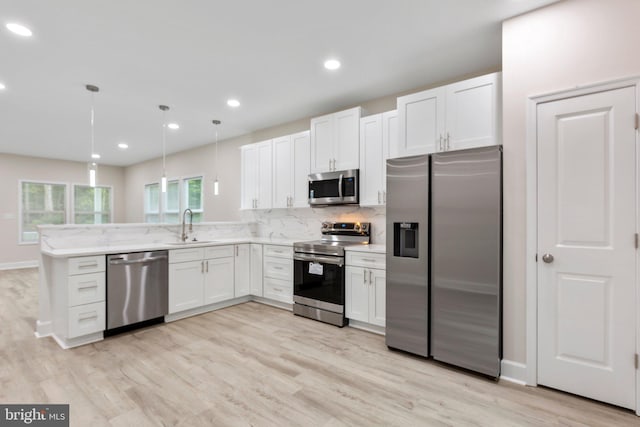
(334, 188)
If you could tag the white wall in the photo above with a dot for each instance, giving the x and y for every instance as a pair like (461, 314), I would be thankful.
(571, 43)
(15, 168)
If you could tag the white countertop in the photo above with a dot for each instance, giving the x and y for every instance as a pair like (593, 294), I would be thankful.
(376, 248)
(116, 249)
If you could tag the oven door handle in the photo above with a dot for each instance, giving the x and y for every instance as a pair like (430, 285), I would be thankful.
(321, 259)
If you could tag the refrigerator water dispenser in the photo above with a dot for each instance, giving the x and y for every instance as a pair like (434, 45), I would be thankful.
(405, 239)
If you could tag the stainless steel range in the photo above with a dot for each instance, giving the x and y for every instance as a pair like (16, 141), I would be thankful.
(319, 272)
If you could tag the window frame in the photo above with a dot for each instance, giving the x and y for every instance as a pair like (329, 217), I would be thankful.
(21, 211)
(182, 200)
(144, 204)
(72, 203)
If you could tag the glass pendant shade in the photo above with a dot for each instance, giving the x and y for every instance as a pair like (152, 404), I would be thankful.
(216, 187)
(163, 184)
(93, 172)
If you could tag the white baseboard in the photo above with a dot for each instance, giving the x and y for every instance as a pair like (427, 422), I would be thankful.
(18, 265)
(380, 330)
(514, 372)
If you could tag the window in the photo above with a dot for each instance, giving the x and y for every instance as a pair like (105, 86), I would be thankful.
(152, 203)
(181, 194)
(41, 203)
(172, 202)
(193, 197)
(91, 205)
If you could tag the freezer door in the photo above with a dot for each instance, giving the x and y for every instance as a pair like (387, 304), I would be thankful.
(407, 293)
(466, 263)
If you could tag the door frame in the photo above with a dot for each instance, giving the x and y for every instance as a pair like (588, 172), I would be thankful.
(531, 273)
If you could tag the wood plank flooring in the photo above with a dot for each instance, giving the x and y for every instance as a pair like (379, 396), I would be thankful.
(255, 365)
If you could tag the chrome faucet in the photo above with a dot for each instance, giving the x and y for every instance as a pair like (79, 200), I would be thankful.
(184, 236)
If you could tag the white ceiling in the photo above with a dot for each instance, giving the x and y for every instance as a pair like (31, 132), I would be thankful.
(195, 54)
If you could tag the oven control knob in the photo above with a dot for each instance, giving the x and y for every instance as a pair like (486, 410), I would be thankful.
(364, 227)
(357, 228)
(325, 225)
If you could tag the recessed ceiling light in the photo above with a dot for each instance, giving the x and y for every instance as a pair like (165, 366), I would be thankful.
(123, 146)
(95, 156)
(173, 126)
(233, 103)
(2, 86)
(18, 29)
(331, 64)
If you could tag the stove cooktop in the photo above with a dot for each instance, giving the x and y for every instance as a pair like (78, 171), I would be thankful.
(335, 237)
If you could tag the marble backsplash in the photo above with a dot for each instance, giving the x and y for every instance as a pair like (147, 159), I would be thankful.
(86, 236)
(304, 223)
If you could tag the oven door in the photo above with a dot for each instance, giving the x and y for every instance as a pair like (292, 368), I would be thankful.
(318, 281)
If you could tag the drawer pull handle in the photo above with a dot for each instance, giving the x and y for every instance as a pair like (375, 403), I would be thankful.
(87, 316)
(277, 289)
(368, 260)
(277, 268)
(83, 287)
(88, 265)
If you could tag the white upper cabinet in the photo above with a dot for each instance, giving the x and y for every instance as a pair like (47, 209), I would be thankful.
(335, 141)
(420, 122)
(256, 179)
(377, 134)
(301, 144)
(473, 112)
(291, 160)
(461, 115)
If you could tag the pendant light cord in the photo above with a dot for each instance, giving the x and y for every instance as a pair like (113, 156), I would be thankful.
(164, 141)
(92, 124)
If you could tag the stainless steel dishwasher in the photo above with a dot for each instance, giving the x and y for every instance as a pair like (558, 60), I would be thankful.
(137, 288)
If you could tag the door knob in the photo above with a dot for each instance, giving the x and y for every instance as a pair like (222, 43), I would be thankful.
(548, 258)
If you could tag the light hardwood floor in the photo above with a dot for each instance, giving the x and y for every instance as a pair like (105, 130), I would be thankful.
(257, 365)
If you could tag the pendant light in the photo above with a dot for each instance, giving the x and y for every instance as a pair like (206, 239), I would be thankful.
(92, 166)
(163, 182)
(216, 185)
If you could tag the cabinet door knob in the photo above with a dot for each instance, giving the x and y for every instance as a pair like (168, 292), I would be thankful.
(548, 258)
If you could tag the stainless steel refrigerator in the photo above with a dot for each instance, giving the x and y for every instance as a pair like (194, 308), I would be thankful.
(466, 258)
(444, 257)
(407, 315)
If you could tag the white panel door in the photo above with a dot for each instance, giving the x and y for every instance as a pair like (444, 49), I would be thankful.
(264, 172)
(282, 172)
(219, 280)
(586, 221)
(356, 294)
(377, 296)
(421, 122)
(242, 269)
(322, 143)
(473, 112)
(301, 169)
(371, 156)
(346, 140)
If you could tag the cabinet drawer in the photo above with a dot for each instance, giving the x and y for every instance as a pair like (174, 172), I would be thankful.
(278, 251)
(279, 290)
(367, 260)
(86, 288)
(278, 268)
(184, 255)
(218, 252)
(86, 319)
(86, 264)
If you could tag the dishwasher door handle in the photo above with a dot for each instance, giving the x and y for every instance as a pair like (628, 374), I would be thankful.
(121, 261)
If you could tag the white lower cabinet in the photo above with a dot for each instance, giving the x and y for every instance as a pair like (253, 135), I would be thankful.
(242, 267)
(278, 273)
(218, 280)
(365, 288)
(85, 310)
(256, 270)
(200, 276)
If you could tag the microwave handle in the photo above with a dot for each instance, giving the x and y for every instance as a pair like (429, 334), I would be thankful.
(340, 186)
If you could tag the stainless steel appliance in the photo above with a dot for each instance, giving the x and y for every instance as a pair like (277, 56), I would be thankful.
(319, 272)
(137, 288)
(334, 188)
(407, 320)
(466, 258)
